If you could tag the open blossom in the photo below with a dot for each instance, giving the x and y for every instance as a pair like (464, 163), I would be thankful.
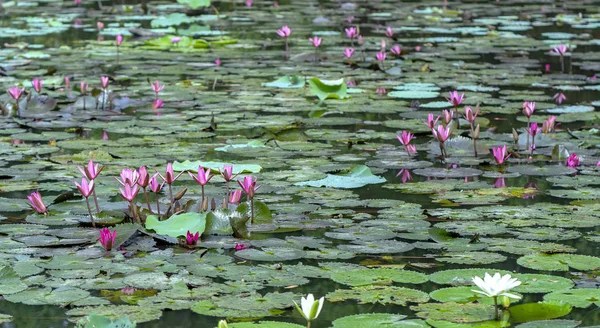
(430, 121)
(456, 99)
(157, 87)
(91, 171)
(128, 192)
(396, 50)
(559, 97)
(447, 114)
(534, 130)
(500, 154)
(15, 92)
(549, 124)
(310, 308)
(239, 247)
(104, 81)
(85, 188)
(442, 133)
(573, 160)
(496, 286)
(404, 175)
(170, 176)
(37, 84)
(351, 32)
(528, 108)
(316, 41)
(561, 49)
(380, 56)
(119, 40)
(349, 52)
(284, 32)
(249, 186)
(192, 239)
(107, 239)
(405, 138)
(227, 173)
(203, 176)
(235, 196)
(36, 202)
(388, 32)
(128, 177)
(470, 115)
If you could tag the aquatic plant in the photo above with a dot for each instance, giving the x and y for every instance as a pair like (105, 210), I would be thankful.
(447, 115)
(192, 238)
(573, 160)
(405, 138)
(86, 188)
(561, 50)
(455, 99)
(388, 32)
(431, 122)
(500, 154)
(119, 41)
(396, 50)
(156, 188)
(285, 33)
(37, 85)
(36, 203)
(381, 58)
(533, 130)
(310, 308)
(202, 177)
(129, 192)
(143, 181)
(471, 116)
(559, 97)
(249, 186)
(227, 174)
(494, 286)
(169, 178)
(441, 134)
(16, 94)
(223, 323)
(107, 238)
(91, 172)
(83, 88)
(316, 42)
(157, 87)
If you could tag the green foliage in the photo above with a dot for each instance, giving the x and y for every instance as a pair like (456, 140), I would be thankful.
(324, 89)
(178, 225)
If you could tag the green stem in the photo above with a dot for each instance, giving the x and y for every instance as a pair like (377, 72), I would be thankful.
(87, 201)
(496, 308)
(252, 218)
(157, 206)
(202, 194)
(171, 195)
(96, 201)
(147, 200)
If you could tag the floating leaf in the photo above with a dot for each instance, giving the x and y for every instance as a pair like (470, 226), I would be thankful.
(325, 89)
(177, 225)
(355, 177)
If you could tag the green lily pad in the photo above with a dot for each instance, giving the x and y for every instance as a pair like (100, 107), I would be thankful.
(286, 82)
(325, 89)
(377, 320)
(216, 166)
(538, 311)
(356, 177)
(177, 225)
(10, 282)
(580, 297)
(559, 262)
(362, 277)
(379, 294)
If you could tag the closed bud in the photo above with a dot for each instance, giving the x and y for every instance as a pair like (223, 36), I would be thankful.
(205, 205)
(180, 194)
(515, 135)
(476, 132)
(213, 204)
(223, 324)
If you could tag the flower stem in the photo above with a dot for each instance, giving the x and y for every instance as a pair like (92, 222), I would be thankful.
(252, 218)
(562, 64)
(87, 201)
(308, 324)
(202, 194)
(287, 49)
(96, 201)
(157, 207)
(496, 308)
(147, 200)
(227, 186)
(171, 194)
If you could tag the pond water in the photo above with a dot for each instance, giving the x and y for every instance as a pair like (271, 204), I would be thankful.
(343, 210)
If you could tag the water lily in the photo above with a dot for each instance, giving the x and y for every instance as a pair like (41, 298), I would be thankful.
(119, 40)
(456, 99)
(285, 33)
(235, 196)
(348, 52)
(156, 188)
(430, 121)
(128, 177)
(37, 85)
(218, 62)
(388, 32)
(561, 50)
(528, 108)
(316, 41)
(16, 93)
(471, 115)
(249, 186)
(396, 50)
(500, 154)
(83, 88)
(143, 181)
(559, 97)
(192, 239)
(175, 39)
(573, 160)
(86, 188)
(157, 104)
(36, 202)
(497, 285)
(404, 175)
(169, 178)
(227, 174)
(351, 32)
(248, 3)
(157, 87)
(441, 134)
(405, 138)
(310, 309)
(129, 192)
(380, 56)
(447, 115)
(91, 171)
(223, 323)
(100, 25)
(202, 178)
(107, 239)
(533, 130)
(549, 124)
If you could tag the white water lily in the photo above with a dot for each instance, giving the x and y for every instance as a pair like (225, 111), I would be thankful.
(223, 324)
(497, 285)
(310, 308)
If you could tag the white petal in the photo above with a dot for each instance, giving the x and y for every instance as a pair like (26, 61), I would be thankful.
(321, 301)
(517, 297)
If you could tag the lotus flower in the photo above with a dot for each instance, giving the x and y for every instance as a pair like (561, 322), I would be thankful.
(284, 32)
(316, 41)
(36, 202)
(37, 85)
(83, 87)
(227, 173)
(388, 32)
(405, 138)
(456, 99)
(107, 239)
(404, 175)
(549, 124)
(534, 129)
(500, 154)
(119, 40)
(310, 308)
(175, 39)
(154, 185)
(203, 176)
(169, 178)
(104, 81)
(192, 239)
(100, 26)
(91, 171)
(349, 52)
(396, 50)
(218, 62)
(442, 133)
(143, 177)
(559, 97)
(223, 323)
(573, 160)
(239, 247)
(528, 108)
(235, 196)
(380, 56)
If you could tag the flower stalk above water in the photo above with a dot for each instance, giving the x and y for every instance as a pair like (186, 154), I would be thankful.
(285, 33)
(91, 171)
(202, 178)
(455, 99)
(169, 178)
(86, 188)
(249, 186)
(310, 308)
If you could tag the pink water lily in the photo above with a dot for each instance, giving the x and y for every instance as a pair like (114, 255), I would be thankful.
(227, 173)
(235, 196)
(100, 26)
(404, 175)
(549, 125)
(573, 160)
(396, 50)
(129, 192)
(37, 85)
(471, 115)
(284, 32)
(119, 40)
(128, 177)
(239, 247)
(316, 41)
(157, 87)
(430, 121)
(104, 81)
(456, 99)
(441, 133)
(561, 49)
(380, 56)
(83, 87)
(169, 178)
(500, 154)
(534, 130)
(175, 39)
(405, 138)
(85, 188)
(217, 62)
(36, 202)
(202, 178)
(107, 239)
(155, 186)
(15, 92)
(351, 32)
(559, 97)
(91, 171)
(528, 108)
(447, 115)
(249, 186)
(348, 52)
(143, 177)
(192, 239)
(388, 32)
